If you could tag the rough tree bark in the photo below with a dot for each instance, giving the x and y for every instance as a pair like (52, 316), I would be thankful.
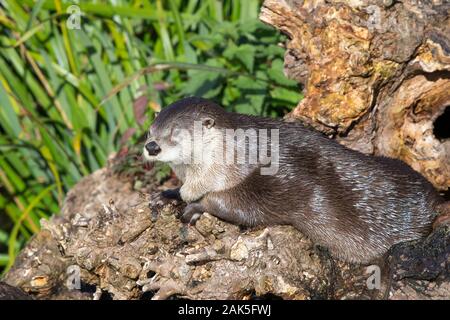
(376, 76)
(126, 242)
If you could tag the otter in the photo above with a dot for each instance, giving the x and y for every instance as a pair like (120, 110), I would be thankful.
(354, 204)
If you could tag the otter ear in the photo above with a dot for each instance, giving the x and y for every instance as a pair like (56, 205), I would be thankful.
(208, 122)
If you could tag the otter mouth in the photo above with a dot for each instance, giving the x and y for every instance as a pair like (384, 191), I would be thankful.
(147, 157)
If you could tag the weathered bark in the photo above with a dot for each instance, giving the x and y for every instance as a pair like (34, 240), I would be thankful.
(376, 74)
(8, 292)
(126, 242)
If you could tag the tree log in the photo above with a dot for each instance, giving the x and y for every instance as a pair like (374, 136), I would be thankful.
(129, 244)
(376, 75)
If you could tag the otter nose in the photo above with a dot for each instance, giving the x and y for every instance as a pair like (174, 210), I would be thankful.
(152, 148)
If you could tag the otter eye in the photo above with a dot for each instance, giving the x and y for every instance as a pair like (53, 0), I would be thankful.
(176, 133)
(150, 132)
(172, 135)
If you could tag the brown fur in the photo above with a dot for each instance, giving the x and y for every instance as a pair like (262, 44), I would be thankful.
(356, 205)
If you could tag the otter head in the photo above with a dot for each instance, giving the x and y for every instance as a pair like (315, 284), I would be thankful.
(173, 135)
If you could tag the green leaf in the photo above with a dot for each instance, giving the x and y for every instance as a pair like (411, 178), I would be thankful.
(276, 73)
(289, 96)
(162, 171)
(244, 53)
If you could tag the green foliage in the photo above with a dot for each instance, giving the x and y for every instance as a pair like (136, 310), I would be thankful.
(163, 171)
(56, 124)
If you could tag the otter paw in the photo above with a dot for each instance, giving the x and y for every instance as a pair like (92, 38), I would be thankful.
(172, 194)
(192, 213)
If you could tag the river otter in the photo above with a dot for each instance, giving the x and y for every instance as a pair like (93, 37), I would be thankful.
(356, 205)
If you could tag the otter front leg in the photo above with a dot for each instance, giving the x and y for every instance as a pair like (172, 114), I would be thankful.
(191, 192)
(192, 213)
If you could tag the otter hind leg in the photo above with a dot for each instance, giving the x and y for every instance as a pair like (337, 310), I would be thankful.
(192, 213)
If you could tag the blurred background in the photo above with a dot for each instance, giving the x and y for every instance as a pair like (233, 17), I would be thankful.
(79, 80)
